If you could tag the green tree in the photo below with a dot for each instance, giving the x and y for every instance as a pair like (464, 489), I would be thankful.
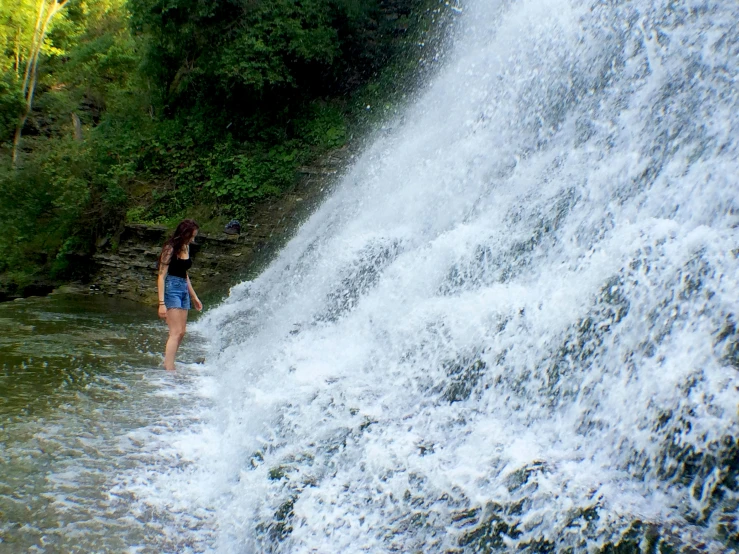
(147, 108)
(47, 12)
(255, 58)
(64, 191)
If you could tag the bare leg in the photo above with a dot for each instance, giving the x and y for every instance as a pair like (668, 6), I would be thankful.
(177, 322)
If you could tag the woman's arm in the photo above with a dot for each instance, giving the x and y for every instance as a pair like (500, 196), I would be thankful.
(163, 270)
(193, 296)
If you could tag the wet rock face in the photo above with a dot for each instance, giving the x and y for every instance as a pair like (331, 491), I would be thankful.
(10, 291)
(128, 267)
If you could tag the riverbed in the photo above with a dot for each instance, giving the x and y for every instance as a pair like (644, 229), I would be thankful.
(86, 419)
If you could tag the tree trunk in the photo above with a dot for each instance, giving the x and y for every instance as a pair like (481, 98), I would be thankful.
(29, 78)
(77, 127)
(16, 142)
(34, 42)
(18, 53)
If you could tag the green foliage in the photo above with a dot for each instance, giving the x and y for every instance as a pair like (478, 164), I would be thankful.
(322, 127)
(41, 206)
(17, 20)
(11, 105)
(253, 55)
(182, 107)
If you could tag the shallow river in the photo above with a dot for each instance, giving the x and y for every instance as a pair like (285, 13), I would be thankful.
(85, 416)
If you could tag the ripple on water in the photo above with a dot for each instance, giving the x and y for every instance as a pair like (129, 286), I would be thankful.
(88, 419)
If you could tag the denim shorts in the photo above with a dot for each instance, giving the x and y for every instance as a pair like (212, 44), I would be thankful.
(176, 294)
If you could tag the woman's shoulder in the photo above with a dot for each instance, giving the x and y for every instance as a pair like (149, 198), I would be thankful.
(166, 256)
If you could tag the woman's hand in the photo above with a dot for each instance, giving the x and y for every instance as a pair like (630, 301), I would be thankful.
(162, 311)
(198, 303)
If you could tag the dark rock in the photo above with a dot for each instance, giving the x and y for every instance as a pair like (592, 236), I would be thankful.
(233, 227)
(37, 289)
(126, 265)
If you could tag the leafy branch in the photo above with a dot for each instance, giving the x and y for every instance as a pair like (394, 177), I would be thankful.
(48, 9)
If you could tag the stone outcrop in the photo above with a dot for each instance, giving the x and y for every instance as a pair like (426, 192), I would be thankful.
(126, 267)
(130, 269)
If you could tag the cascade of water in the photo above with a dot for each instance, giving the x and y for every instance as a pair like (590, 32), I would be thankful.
(514, 323)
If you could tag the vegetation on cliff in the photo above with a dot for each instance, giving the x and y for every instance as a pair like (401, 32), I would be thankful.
(150, 110)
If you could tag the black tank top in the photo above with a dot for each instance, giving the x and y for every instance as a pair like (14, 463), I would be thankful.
(178, 267)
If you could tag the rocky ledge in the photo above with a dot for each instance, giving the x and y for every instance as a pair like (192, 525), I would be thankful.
(126, 267)
(130, 269)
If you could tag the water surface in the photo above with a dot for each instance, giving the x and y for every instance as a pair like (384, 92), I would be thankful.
(512, 327)
(85, 412)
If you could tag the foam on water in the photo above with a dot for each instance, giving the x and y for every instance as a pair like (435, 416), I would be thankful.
(513, 325)
(86, 419)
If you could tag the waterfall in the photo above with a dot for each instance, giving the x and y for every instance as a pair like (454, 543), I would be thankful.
(512, 326)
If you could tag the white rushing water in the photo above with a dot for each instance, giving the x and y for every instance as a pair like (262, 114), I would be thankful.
(88, 423)
(513, 324)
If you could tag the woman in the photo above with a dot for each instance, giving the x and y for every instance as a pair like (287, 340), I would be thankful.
(175, 289)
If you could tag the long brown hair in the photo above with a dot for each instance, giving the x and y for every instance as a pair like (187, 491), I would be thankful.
(182, 235)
